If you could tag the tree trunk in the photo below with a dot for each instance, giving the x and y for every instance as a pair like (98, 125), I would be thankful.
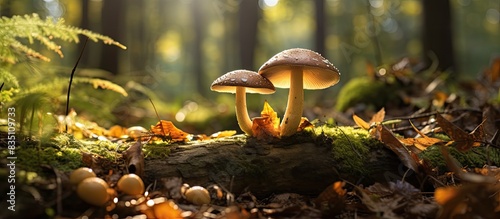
(437, 33)
(198, 76)
(319, 6)
(112, 17)
(248, 19)
(299, 164)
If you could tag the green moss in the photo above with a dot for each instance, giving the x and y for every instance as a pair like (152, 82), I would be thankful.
(476, 157)
(64, 159)
(156, 150)
(367, 91)
(63, 152)
(350, 147)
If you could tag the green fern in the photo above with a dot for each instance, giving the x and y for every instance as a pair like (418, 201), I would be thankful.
(33, 28)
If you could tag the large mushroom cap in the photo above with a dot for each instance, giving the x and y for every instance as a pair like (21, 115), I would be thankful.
(252, 81)
(319, 73)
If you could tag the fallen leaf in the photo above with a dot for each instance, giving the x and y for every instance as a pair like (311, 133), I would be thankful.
(360, 122)
(266, 127)
(117, 131)
(134, 159)
(463, 140)
(421, 142)
(492, 74)
(223, 134)
(408, 158)
(332, 198)
(167, 129)
(304, 123)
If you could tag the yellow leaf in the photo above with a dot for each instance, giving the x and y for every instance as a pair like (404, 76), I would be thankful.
(360, 122)
(266, 126)
(268, 111)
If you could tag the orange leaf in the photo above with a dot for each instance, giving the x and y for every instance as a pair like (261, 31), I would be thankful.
(117, 131)
(266, 126)
(408, 158)
(268, 111)
(167, 129)
(304, 123)
(464, 141)
(333, 196)
(378, 117)
(360, 122)
(443, 195)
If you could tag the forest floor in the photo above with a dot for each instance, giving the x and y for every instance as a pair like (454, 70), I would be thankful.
(408, 113)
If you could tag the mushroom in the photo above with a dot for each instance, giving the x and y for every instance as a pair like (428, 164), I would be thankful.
(93, 190)
(242, 82)
(197, 195)
(298, 69)
(80, 174)
(131, 184)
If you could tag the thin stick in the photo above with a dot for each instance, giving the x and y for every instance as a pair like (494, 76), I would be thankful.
(159, 120)
(71, 79)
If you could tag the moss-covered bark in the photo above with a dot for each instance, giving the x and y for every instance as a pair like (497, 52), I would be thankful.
(303, 163)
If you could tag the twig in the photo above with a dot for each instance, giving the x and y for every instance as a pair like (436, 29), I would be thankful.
(157, 116)
(71, 79)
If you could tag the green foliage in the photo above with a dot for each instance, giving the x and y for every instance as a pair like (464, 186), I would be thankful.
(476, 157)
(32, 28)
(365, 90)
(36, 94)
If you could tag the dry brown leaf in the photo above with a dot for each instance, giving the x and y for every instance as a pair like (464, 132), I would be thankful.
(493, 73)
(422, 142)
(304, 123)
(360, 122)
(439, 99)
(471, 200)
(332, 199)
(464, 141)
(266, 126)
(408, 158)
(134, 159)
(167, 129)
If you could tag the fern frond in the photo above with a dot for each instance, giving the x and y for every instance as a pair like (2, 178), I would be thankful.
(33, 28)
(9, 79)
(103, 84)
(58, 84)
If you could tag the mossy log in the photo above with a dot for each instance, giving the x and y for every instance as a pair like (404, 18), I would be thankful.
(304, 163)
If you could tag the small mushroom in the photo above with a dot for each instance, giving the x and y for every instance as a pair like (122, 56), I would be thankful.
(242, 82)
(80, 174)
(298, 69)
(197, 195)
(131, 184)
(94, 191)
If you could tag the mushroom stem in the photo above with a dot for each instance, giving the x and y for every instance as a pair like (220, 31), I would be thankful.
(242, 116)
(294, 107)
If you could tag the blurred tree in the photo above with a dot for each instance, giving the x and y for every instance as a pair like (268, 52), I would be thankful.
(249, 15)
(319, 9)
(112, 17)
(437, 33)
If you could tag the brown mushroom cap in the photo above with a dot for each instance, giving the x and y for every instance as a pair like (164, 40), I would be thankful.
(318, 72)
(252, 81)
